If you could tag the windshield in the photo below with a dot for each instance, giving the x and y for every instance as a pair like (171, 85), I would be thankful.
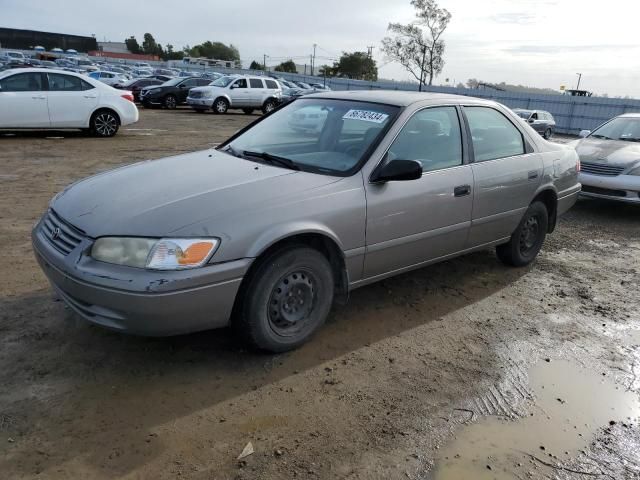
(172, 82)
(223, 81)
(621, 128)
(318, 135)
(523, 113)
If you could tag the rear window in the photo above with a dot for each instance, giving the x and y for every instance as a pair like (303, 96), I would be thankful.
(271, 84)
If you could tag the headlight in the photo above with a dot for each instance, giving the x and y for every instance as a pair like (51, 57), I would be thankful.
(154, 254)
(635, 171)
(207, 94)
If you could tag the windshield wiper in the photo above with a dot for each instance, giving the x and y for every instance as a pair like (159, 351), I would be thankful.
(630, 139)
(273, 159)
(595, 135)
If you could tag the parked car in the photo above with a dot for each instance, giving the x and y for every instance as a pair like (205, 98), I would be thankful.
(44, 98)
(141, 65)
(164, 71)
(19, 57)
(320, 87)
(265, 231)
(540, 120)
(162, 78)
(48, 64)
(246, 93)
(171, 93)
(136, 85)
(303, 85)
(142, 72)
(290, 94)
(610, 159)
(109, 78)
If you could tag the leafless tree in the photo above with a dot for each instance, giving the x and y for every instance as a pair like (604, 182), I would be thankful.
(418, 46)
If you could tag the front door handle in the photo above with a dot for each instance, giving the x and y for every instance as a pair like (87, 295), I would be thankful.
(90, 96)
(38, 98)
(533, 174)
(462, 190)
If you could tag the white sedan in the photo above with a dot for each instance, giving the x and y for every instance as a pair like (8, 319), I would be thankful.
(41, 98)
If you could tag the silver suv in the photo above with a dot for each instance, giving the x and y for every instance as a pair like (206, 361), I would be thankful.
(246, 93)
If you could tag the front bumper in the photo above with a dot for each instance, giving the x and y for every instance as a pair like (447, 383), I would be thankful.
(200, 103)
(138, 301)
(623, 188)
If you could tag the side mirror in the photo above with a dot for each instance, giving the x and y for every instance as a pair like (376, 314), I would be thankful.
(584, 133)
(397, 170)
(531, 120)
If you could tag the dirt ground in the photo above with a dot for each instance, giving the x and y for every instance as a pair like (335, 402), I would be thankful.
(463, 370)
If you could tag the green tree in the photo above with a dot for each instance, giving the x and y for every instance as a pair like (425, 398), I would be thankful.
(420, 51)
(356, 65)
(132, 45)
(171, 54)
(149, 45)
(256, 66)
(289, 67)
(214, 50)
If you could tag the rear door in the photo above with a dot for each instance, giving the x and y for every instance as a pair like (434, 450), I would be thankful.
(240, 93)
(506, 171)
(412, 222)
(257, 91)
(71, 101)
(23, 101)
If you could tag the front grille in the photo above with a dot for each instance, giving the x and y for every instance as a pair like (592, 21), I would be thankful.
(195, 94)
(62, 236)
(604, 191)
(601, 169)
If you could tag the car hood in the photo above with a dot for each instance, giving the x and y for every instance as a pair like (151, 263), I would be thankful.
(164, 197)
(611, 152)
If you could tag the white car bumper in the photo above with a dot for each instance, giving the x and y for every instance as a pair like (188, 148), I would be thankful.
(624, 188)
(200, 102)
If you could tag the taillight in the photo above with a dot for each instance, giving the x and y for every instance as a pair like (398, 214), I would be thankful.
(578, 165)
(127, 96)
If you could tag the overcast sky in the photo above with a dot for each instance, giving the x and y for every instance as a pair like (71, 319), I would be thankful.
(541, 43)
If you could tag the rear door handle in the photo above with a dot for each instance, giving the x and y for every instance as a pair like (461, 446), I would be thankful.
(462, 190)
(38, 98)
(89, 96)
(533, 174)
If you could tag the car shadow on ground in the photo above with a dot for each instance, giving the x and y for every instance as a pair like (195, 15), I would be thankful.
(87, 375)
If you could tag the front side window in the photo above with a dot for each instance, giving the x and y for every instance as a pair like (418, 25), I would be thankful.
(493, 135)
(431, 137)
(255, 83)
(67, 83)
(22, 82)
(241, 83)
(319, 135)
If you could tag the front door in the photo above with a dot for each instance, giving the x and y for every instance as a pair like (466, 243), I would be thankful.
(412, 222)
(71, 100)
(23, 101)
(240, 93)
(506, 176)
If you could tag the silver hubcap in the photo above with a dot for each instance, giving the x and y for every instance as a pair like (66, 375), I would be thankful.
(106, 124)
(221, 106)
(269, 107)
(170, 102)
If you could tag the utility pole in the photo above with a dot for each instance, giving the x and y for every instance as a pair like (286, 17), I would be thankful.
(313, 63)
(264, 62)
(579, 78)
(370, 51)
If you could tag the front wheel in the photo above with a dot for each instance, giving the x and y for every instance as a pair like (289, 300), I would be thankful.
(247, 111)
(170, 102)
(104, 123)
(220, 106)
(286, 299)
(547, 134)
(527, 240)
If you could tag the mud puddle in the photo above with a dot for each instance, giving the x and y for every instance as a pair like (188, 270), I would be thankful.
(571, 404)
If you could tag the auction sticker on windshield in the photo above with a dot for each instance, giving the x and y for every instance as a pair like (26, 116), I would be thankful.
(366, 115)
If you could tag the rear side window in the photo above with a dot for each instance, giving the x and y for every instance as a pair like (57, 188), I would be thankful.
(494, 136)
(271, 84)
(255, 83)
(67, 83)
(22, 82)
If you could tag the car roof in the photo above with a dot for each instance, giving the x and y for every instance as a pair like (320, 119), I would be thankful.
(394, 97)
(39, 70)
(630, 115)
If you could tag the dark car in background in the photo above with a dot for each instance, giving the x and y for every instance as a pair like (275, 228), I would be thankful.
(540, 120)
(290, 94)
(171, 93)
(137, 84)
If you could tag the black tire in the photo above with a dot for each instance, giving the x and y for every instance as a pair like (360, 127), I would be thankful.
(220, 106)
(547, 134)
(104, 123)
(248, 111)
(528, 238)
(170, 102)
(286, 299)
(269, 106)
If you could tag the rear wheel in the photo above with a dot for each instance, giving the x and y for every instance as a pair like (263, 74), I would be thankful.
(248, 111)
(547, 134)
(527, 240)
(170, 102)
(269, 106)
(286, 299)
(104, 123)
(220, 105)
